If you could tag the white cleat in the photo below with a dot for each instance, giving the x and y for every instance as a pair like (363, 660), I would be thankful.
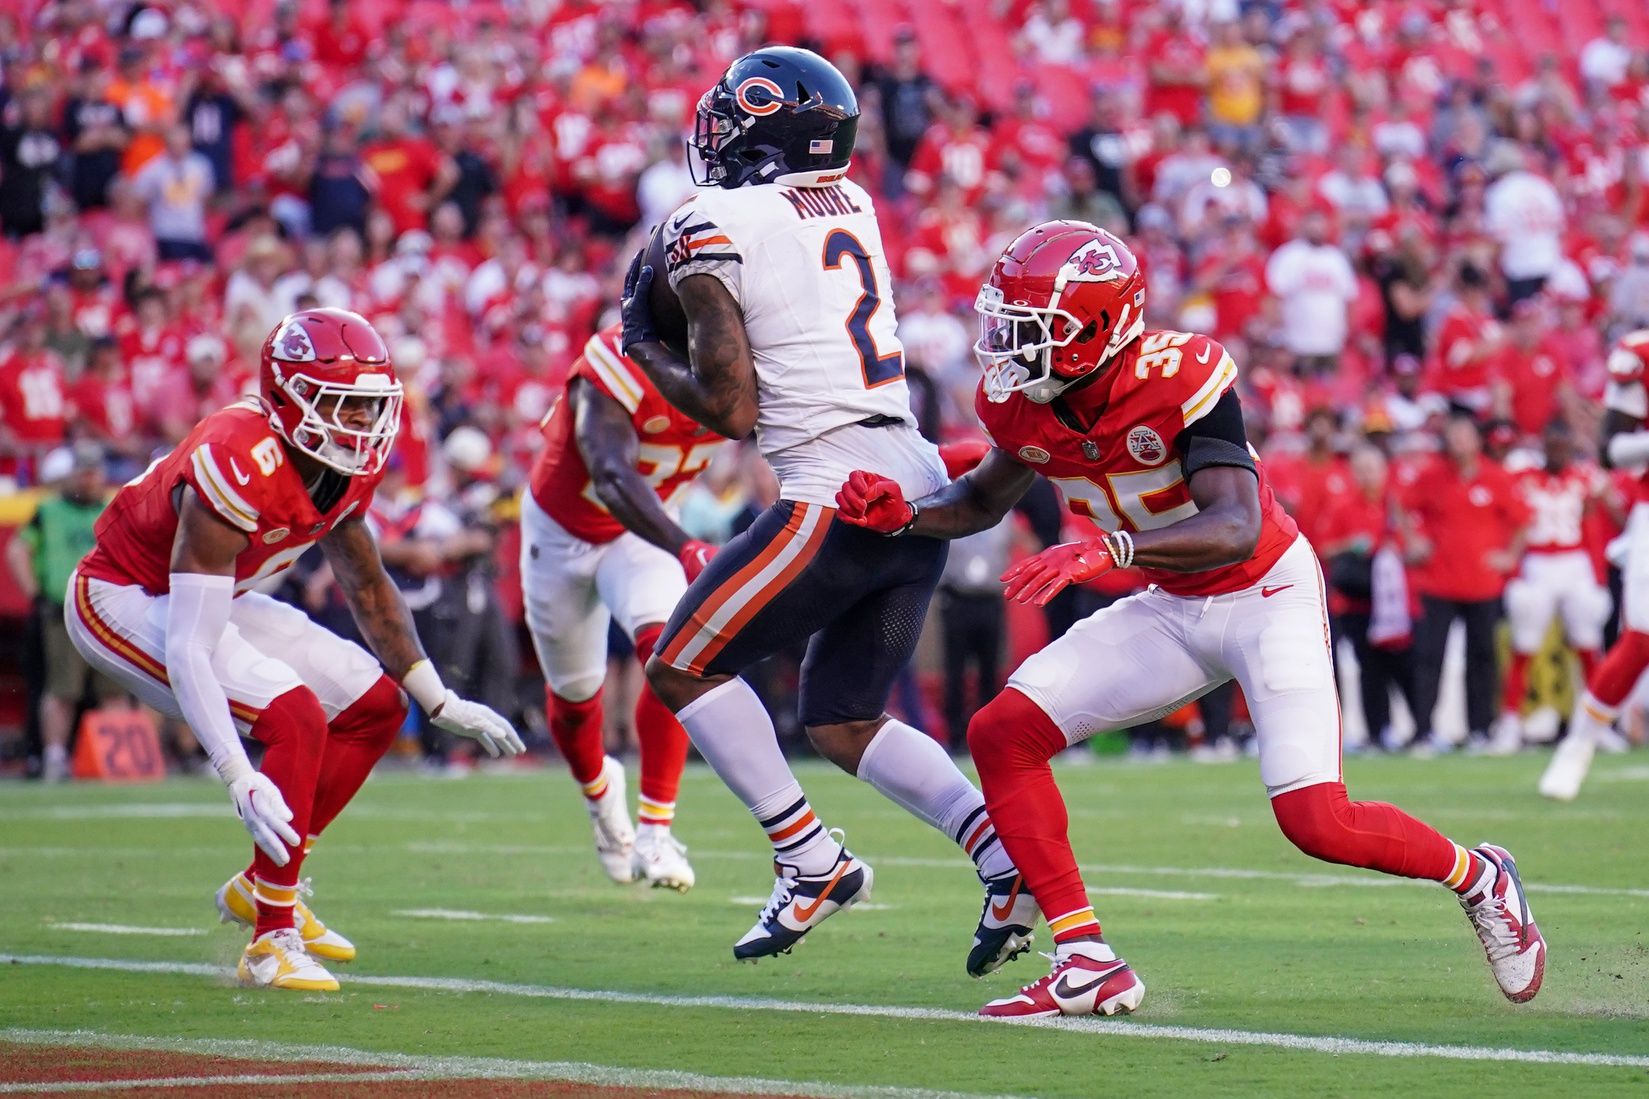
(800, 902)
(1500, 915)
(277, 959)
(615, 836)
(661, 860)
(1541, 726)
(1563, 776)
(1505, 736)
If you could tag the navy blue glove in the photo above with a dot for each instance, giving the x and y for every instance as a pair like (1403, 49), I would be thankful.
(636, 308)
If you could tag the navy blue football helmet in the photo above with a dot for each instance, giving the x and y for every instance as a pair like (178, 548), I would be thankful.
(778, 115)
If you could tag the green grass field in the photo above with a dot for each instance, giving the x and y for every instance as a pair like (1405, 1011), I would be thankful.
(1255, 958)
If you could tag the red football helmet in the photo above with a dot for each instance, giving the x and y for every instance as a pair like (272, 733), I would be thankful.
(1061, 301)
(331, 390)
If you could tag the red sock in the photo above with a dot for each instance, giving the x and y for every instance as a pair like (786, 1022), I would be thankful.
(292, 730)
(576, 729)
(1618, 672)
(356, 740)
(1321, 821)
(1517, 682)
(1589, 659)
(663, 744)
(1012, 740)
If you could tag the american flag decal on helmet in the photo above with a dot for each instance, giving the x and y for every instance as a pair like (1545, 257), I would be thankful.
(823, 147)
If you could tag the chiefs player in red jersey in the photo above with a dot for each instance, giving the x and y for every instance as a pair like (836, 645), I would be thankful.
(1626, 443)
(1143, 433)
(164, 604)
(599, 542)
(1556, 579)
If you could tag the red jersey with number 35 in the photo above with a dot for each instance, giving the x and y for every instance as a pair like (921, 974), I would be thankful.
(673, 449)
(1126, 473)
(241, 472)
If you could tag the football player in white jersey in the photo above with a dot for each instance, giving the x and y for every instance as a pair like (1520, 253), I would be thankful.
(778, 265)
(1626, 443)
(1556, 579)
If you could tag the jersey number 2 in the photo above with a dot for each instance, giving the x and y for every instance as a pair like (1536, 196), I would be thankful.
(878, 369)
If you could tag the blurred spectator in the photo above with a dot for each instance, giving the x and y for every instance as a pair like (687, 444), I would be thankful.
(409, 175)
(1629, 296)
(1106, 148)
(1533, 384)
(339, 193)
(1052, 34)
(1236, 87)
(1463, 522)
(1355, 527)
(1604, 60)
(1314, 285)
(42, 557)
(30, 158)
(907, 95)
(95, 134)
(177, 184)
(33, 412)
(1468, 342)
(1525, 215)
(1176, 68)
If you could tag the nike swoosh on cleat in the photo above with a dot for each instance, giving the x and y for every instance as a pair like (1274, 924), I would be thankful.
(1267, 593)
(1004, 910)
(1064, 988)
(804, 912)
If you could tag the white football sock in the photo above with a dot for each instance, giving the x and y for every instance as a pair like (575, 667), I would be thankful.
(912, 770)
(731, 729)
(1592, 720)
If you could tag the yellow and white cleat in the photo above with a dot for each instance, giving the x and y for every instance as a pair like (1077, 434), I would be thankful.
(277, 959)
(235, 905)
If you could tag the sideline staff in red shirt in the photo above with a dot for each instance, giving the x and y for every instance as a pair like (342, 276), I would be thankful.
(1463, 522)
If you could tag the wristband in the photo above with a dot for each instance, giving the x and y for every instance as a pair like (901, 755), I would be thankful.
(911, 522)
(1121, 546)
(424, 684)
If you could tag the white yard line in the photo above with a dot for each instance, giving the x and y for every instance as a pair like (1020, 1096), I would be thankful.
(404, 1066)
(208, 1081)
(1306, 1043)
(1317, 880)
(126, 929)
(467, 915)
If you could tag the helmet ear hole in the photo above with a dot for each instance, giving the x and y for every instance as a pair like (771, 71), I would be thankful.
(1089, 331)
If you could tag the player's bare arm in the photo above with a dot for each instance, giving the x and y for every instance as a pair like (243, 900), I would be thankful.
(1224, 531)
(386, 624)
(974, 502)
(373, 598)
(716, 383)
(607, 442)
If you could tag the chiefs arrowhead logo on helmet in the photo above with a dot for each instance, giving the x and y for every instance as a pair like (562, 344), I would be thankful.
(331, 391)
(1062, 300)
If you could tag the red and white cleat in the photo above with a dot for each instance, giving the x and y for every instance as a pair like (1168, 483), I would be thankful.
(1500, 915)
(1087, 979)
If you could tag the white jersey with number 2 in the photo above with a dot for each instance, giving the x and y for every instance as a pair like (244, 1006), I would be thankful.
(807, 268)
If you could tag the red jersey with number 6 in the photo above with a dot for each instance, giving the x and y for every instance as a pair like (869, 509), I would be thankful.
(241, 471)
(1125, 473)
(672, 448)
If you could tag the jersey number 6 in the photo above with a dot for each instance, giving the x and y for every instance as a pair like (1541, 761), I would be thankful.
(878, 369)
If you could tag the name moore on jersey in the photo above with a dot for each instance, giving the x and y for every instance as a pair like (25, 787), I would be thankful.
(1127, 471)
(671, 451)
(240, 471)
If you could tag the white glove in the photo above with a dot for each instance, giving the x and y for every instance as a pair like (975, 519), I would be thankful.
(262, 809)
(479, 723)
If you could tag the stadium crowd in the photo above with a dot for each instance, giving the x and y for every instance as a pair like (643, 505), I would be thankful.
(1417, 226)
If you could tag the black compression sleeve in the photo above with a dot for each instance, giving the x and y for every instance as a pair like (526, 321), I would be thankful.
(1218, 439)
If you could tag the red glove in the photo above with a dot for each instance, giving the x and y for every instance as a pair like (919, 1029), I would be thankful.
(694, 556)
(1038, 579)
(960, 458)
(874, 502)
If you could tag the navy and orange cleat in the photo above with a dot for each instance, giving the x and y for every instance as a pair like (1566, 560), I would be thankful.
(1500, 915)
(800, 902)
(1005, 924)
(1087, 979)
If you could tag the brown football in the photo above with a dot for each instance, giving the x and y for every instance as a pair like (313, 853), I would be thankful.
(668, 317)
